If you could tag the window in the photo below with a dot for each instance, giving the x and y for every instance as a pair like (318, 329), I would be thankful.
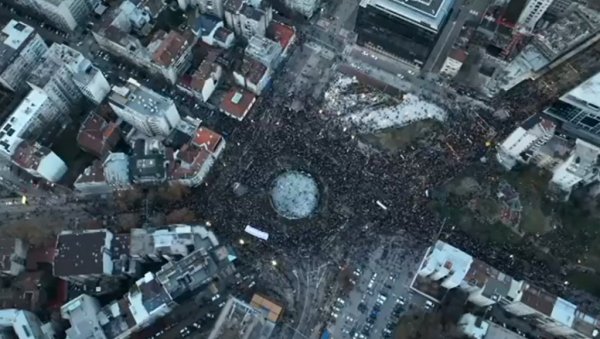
(26, 330)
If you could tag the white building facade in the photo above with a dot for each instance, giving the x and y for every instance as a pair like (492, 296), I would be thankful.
(305, 7)
(64, 14)
(21, 49)
(532, 13)
(581, 167)
(144, 109)
(27, 121)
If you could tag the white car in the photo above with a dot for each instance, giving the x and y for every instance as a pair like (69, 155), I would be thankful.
(400, 300)
(341, 301)
(215, 297)
(428, 304)
(335, 315)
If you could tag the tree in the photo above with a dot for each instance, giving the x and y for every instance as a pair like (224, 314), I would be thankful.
(181, 216)
(126, 200)
(419, 325)
(173, 193)
(35, 231)
(127, 221)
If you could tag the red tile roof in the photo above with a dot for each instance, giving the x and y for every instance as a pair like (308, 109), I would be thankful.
(237, 103)
(41, 254)
(191, 160)
(29, 155)
(171, 48)
(207, 139)
(253, 70)
(204, 71)
(222, 34)
(281, 33)
(459, 54)
(94, 173)
(97, 136)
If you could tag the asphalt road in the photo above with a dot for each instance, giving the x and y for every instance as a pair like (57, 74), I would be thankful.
(463, 11)
(388, 270)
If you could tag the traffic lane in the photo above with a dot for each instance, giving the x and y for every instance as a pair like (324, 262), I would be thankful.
(381, 62)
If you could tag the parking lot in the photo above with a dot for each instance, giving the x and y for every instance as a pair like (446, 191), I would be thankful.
(380, 296)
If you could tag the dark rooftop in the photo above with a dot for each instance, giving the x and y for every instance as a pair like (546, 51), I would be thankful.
(205, 24)
(80, 253)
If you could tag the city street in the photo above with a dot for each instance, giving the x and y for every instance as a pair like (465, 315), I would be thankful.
(386, 274)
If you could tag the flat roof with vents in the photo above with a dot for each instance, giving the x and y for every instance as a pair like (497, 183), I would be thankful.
(140, 98)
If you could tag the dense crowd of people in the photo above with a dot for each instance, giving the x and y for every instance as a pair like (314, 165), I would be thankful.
(352, 180)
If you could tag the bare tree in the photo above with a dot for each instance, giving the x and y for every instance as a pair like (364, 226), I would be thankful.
(126, 200)
(127, 221)
(419, 325)
(181, 216)
(174, 192)
(35, 231)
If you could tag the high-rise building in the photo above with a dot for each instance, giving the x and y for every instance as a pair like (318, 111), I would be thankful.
(21, 49)
(305, 7)
(64, 14)
(29, 120)
(579, 110)
(247, 19)
(532, 13)
(66, 76)
(404, 29)
(144, 109)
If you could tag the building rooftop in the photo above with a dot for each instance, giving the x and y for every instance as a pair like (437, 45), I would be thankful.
(233, 5)
(200, 268)
(116, 169)
(273, 310)
(208, 139)
(206, 70)
(18, 122)
(205, 24)
(281, 33)
(539, 299)
(222, 33)
(588, 93)
(25, 292)
(238, 320)
(172, 47)
(82, 253)
(586, 324)
(238, 102)
(566, 32)
(92, 174)
(253, 70)
(499, 332)
(564, 312)
(40, 159)
(121, 244)
(263, 49)
(251, 12)
(189, 161)
(148, 160)
(430, 13)
(139, 98)
(12, 38)
(97, 136)
(172, 241)
(447, 257)
(458, 54)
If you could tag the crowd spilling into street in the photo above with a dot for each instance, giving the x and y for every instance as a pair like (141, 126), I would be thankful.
(352, 180)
